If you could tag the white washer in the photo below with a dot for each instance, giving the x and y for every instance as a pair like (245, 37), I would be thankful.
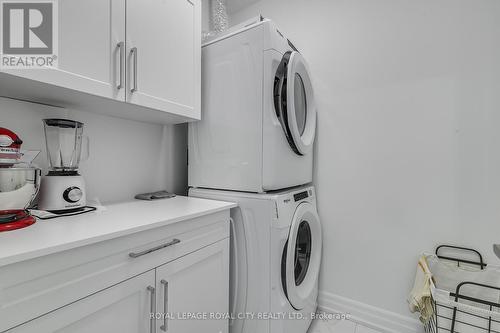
(275, 259)
(259, 115)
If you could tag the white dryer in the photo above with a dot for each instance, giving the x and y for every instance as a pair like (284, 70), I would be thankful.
(275, 259)
(258, 113)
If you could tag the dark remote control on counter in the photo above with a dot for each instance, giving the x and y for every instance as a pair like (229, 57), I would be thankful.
(155, 195)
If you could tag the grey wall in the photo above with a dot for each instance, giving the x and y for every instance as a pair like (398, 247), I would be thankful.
(126, 157)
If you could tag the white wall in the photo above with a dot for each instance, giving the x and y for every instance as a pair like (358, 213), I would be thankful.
(126, 157)
(408, 146)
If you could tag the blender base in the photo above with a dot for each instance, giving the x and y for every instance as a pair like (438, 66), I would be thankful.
(62, 193)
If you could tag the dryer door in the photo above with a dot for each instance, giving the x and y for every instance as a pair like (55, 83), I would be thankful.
(294, 102)
(301, 257)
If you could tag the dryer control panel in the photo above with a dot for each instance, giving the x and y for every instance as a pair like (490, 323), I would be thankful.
(300, 196)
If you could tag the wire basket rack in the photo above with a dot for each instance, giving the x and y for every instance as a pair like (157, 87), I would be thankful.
(471, 305)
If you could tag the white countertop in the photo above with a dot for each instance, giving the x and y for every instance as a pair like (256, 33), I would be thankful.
(60, 234)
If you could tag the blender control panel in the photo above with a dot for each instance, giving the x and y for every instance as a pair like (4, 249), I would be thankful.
(73, 194)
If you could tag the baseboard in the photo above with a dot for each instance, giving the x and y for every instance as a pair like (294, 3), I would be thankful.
(381, 320)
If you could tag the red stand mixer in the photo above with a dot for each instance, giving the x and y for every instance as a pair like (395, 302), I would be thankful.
(19, 183)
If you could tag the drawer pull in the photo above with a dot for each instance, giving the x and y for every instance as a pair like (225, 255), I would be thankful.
(164, 327)
(121, 53)
(159, 247)
(152, 325)
(133, 53)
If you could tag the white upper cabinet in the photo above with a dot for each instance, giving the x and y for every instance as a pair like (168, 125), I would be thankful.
(142, 56)
(88, 58)
(163, 48)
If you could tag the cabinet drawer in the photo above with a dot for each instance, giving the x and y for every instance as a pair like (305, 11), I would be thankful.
(32, 288)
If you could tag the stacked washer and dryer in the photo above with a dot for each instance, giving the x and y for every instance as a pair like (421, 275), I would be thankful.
(254, 146)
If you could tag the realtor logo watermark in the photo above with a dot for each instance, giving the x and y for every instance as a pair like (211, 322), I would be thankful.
(29, 34)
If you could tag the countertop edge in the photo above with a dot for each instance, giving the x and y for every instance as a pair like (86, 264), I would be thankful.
(121, 233)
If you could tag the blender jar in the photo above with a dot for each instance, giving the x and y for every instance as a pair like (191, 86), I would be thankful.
(64, 144)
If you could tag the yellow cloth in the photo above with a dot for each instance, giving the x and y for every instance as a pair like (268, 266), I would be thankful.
(420, 298)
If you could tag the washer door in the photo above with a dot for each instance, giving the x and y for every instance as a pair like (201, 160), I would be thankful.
(294, 102)
(301, 257)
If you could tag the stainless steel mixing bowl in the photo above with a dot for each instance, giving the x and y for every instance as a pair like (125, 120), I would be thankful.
(18, 187)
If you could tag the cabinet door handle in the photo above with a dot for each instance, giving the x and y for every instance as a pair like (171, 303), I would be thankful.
(156, 248)
(152, 326)
(133, 53)
(164, 327)
(121, 54)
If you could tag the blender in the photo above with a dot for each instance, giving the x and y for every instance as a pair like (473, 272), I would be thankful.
(63, 189)
(19, 182)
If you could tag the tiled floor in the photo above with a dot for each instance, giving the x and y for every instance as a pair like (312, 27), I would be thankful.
(338, 326)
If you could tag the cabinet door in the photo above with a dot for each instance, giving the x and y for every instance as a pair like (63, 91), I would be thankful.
(196, 284)
(89, 56)
(164, 55)
(123, 308)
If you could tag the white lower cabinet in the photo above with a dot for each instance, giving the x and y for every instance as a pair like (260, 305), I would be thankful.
(186, 295)
(122, 308)
(193, 292)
